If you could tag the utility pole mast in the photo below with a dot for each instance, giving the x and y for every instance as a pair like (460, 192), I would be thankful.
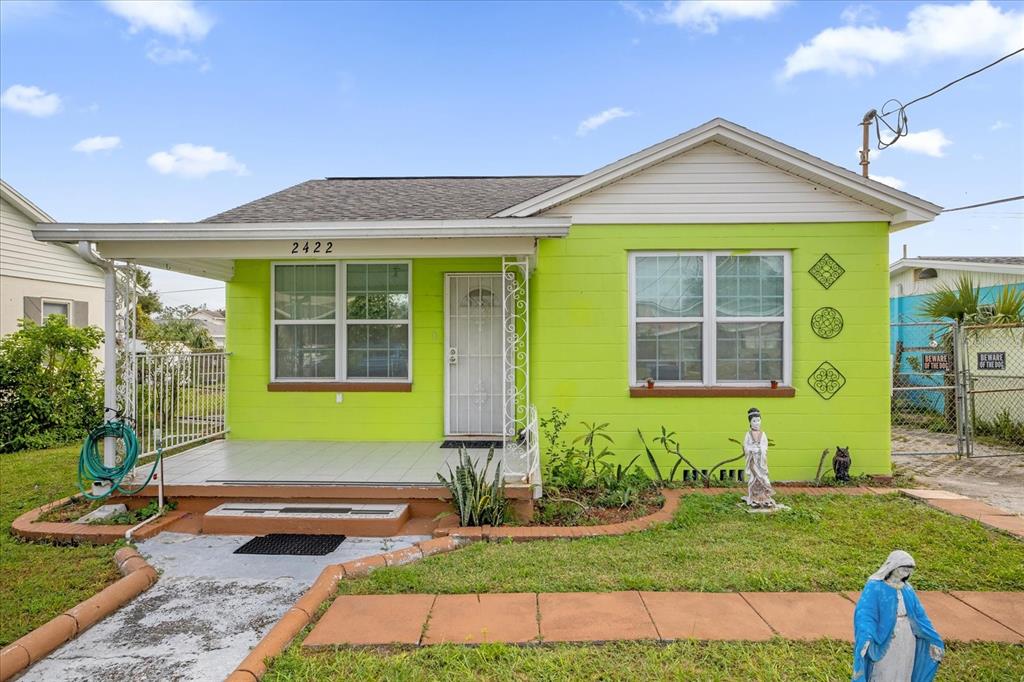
(865, 148)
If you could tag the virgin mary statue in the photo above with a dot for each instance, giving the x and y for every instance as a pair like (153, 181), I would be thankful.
(893, 639)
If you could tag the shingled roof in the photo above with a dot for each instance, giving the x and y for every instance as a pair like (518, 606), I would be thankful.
(415, 198)
(994, 260)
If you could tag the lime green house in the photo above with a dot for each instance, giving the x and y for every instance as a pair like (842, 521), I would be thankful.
(372, 320)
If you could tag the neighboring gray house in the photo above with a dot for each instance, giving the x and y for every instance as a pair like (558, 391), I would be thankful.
(39, 278)
(213, 321)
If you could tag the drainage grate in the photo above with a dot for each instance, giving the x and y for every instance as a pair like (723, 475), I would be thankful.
(496, 444)
(292, 545)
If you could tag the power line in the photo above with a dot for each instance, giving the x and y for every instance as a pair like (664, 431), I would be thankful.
(901, 126)
(184, 291)
(985, 203)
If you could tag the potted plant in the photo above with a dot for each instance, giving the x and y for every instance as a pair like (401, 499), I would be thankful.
(650, 382)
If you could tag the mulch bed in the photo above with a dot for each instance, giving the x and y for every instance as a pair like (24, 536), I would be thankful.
(560, 511)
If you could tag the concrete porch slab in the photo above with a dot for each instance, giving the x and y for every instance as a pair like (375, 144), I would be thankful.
(805, 615)
(705, 616)
(478, 618)
(594, 617)
(366, 620)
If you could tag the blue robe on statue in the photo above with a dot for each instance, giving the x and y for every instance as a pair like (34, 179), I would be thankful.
(874, 620)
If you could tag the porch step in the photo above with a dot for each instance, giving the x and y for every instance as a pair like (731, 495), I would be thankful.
(323, 518)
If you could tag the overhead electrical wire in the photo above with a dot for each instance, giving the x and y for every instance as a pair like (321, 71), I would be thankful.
(899, 128)
(984, 203)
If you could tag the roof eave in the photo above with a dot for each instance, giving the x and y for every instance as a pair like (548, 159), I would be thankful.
(904, 264)
(358, 229)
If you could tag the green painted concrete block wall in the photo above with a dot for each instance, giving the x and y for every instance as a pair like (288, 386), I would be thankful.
(256, 414)
(580, 336)
(579, 341)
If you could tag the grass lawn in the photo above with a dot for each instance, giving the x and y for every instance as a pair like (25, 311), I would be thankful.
(774, 661)
(39, 581)
(825, 543)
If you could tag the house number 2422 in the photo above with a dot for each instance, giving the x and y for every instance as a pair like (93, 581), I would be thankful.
(312, 247)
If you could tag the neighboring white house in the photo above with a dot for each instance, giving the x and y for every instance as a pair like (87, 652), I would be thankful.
(38, 278)
(213, 321)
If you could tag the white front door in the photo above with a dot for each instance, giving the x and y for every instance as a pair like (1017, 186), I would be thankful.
(473, 362)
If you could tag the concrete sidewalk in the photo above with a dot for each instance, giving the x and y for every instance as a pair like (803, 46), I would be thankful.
(521, 618)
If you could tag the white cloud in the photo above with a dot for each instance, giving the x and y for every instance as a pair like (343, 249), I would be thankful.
(160, 54)
(594, 122)
(705, 15)
(28, 99)
(974, 29)
(999, 125)
(99, 143)
(895, 183)
(180, 19)
(859, 14)
(194, 161)
(928, 142)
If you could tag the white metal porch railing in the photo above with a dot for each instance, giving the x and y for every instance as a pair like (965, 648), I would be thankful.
(184, 395)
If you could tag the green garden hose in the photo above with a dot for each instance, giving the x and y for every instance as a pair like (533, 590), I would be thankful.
(92, 468)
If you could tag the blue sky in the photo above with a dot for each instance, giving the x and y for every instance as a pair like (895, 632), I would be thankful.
(181, 110)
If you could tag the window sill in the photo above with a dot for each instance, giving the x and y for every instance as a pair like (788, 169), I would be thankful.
(711, 392)
(340, 386)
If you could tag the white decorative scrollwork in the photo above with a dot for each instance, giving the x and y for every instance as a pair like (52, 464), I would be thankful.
(515, 305)
(126, 302)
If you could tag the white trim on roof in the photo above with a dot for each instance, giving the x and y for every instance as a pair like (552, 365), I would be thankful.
(904, 264)
(905, 210)
(22, 203)
(354, 229)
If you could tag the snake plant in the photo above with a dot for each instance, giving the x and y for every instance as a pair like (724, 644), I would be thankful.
(479, 499)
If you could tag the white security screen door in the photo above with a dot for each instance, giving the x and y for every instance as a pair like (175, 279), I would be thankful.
(473, 354)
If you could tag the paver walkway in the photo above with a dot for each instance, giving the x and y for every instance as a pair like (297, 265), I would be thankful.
(955, 503)
(996, 480)
(411, 619)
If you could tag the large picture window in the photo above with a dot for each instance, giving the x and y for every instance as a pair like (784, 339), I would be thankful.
(710, 318)
(365, 339)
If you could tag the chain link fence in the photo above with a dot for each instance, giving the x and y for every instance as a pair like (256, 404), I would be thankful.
(957, 390)
(992, 357)
(926, 405)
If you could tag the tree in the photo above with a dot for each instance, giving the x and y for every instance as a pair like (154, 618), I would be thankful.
(50, 387)
(962, 304)
(174, 325)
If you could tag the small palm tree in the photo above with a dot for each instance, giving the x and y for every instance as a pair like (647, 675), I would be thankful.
(962, 304)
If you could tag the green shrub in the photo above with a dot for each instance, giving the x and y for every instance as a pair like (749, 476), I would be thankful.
(50, 387)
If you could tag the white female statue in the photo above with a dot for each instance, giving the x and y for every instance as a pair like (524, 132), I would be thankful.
(755, 447)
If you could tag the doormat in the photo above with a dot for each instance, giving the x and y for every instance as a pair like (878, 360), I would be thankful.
(289, 544)
(496, 444)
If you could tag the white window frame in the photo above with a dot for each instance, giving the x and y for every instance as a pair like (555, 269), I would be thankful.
(340, 323)
(57, 301)
(709, 319)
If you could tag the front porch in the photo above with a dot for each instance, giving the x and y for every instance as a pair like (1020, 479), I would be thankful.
(225, 464)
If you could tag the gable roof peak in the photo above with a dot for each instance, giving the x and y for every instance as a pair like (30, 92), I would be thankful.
(904, 209)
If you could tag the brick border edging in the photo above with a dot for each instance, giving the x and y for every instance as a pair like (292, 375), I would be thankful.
(137, 577)
(253, 666)
(28, 527)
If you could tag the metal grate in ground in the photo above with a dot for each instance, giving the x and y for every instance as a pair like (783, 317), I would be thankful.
(290, 544)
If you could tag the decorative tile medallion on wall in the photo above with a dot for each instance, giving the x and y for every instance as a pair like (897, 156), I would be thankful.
(826, 271)
(826, 380)
(827, 322)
